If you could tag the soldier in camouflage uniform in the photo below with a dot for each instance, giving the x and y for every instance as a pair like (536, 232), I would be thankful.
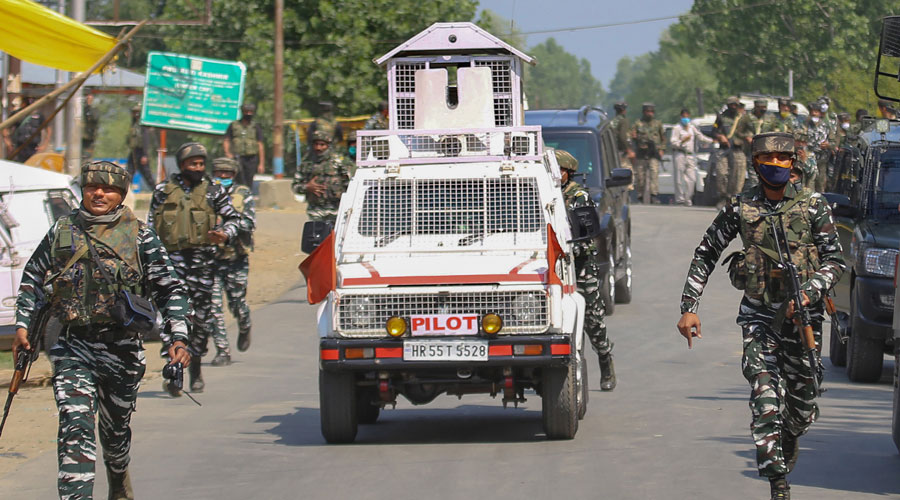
(750, 126)
(622, 130)
(91, 122)
(379, 120)
(587, 269)
(844, 134)
(327, 124)
(140, 147)
(98, 364)
(820, 143)
(782, 396)
(649, 141)
(731, 165)
(783, 121)
(244, 143)
(233, 265)
(805, 162)
(323, 177)
(184, 211)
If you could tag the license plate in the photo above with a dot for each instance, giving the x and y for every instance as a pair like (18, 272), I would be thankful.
(445, 350)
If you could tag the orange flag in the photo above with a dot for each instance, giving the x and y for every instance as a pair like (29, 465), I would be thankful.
(554, 252)
(320, 271)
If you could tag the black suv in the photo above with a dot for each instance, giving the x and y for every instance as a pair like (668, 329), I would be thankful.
(587, 135)
(868, 223)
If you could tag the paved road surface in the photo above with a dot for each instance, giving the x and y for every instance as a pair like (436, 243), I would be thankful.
(676, 427)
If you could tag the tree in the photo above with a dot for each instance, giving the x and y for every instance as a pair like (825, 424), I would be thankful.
(501, 28)
(560, 80)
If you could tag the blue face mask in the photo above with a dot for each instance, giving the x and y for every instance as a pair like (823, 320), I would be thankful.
(352, 151)
(224, 182)
(774, 175)
(685, 121)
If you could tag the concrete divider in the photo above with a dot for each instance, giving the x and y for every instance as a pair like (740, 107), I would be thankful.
(277, 193)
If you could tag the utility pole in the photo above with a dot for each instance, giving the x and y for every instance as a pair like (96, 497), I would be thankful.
(75, 110)
(791, 83)
(278, 111)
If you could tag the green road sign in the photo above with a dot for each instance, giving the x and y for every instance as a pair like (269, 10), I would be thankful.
(192, 93)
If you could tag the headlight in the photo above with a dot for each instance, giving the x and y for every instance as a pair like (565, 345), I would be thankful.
(361, 312)
(527, 308)
(880, 261)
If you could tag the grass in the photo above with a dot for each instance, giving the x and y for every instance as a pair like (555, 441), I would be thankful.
(6, 361)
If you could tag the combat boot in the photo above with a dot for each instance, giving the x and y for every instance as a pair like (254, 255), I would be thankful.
(119, 485)
(221, 359)
(780, 488)
(243, 342)
(196, 377)
(607, 373)
(790, 449)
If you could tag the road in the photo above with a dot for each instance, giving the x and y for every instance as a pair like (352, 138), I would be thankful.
(677, 426)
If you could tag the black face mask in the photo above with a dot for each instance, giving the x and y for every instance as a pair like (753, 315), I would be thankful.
(247, 117)
(192, 176)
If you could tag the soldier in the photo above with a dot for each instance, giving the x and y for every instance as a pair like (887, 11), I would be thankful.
(233, 265)
(351, 151)
(783, 121)
(805, 162)
(782, 397)
(820, 143)
(856, 128)
(323, 177)
(326, 123)
(886, 109)
(587, 268)
(731, 165)
(91, 123)
(29, 138)
(244, 143)
(379, 120)
(828, 116)
(621, 129)
(97, 362)
(140, 146)
(844, 135)
(649, 141)
(184, 211)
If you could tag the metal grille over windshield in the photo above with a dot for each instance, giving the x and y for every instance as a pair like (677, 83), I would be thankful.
(448, 214)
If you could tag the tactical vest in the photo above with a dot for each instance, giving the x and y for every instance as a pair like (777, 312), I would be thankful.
(183, 219)
(135, 137)
(755, 269)
(231, 251)
(243, 139)
(79, 295)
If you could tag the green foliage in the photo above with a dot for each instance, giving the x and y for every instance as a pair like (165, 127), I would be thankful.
(560, 80)
(502, 28)
(114, 114)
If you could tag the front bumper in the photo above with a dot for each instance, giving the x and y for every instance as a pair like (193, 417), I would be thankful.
(875, 307)
(388, 354)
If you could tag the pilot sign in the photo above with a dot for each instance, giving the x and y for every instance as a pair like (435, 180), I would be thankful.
(443, 324)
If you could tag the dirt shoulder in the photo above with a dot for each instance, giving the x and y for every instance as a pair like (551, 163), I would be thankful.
(32, 425)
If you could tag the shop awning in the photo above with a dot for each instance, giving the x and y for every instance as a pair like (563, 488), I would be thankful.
(36, 34)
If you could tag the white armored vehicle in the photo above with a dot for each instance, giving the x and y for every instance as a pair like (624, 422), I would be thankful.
(449, 268)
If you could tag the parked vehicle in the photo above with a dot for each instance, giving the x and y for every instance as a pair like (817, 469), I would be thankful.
(586, 134)
(868, 223)
(31, 199)
(445, 272)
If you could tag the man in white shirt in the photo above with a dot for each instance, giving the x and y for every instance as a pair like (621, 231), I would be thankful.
(682, 141)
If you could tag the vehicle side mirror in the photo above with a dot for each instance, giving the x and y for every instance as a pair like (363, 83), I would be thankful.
(841, 206)
(585, 223)
(619, 177)
(314, 233)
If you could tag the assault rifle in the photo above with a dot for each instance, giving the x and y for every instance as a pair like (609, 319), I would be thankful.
(24, 358)
(796, 294)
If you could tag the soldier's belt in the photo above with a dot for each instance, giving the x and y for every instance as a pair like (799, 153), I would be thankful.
(100, 332)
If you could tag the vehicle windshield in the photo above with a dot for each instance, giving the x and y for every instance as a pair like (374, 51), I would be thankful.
(582, 146)
(886, 195)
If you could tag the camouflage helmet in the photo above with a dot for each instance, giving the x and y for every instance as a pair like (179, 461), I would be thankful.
(190, 150)
(105, 173)
(814, 106)
(784, 101)
(732, 99)
(225, 165)
(620, 106)
(760, 103)
(248, 106)
(321, 135)
(648, 106)
(800, 135)
(773, 142)
(565, 160)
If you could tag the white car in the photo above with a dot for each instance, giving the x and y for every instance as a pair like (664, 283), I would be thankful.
(31, 199)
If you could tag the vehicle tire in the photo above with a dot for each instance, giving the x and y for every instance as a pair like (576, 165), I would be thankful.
(895, 427)
(582, 386)
(608, 285)
(337, 406)
(865, 356)
(837, 351)
(559, 403)
(367, 413)
(623, 286)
